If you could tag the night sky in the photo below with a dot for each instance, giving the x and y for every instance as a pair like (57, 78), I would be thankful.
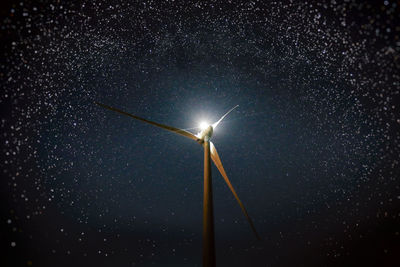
(312, 151)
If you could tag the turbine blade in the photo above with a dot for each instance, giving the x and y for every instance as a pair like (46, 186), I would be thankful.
(216, 123)
(166, 127)
(217, 161)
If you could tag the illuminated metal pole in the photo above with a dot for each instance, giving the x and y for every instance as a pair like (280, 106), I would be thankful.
(208, 214)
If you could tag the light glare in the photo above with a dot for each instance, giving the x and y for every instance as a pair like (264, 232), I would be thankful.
(203, 125)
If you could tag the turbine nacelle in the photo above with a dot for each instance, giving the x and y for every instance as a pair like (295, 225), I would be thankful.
(207, 129)
(206, 133)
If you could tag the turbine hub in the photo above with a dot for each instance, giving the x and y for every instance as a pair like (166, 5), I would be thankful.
(206, 133)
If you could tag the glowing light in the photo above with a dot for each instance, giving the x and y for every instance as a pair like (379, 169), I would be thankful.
(203, 125)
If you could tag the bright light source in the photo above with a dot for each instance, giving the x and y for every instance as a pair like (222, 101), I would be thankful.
(203, 125)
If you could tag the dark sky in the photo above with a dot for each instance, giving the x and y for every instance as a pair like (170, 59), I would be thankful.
(313, 149)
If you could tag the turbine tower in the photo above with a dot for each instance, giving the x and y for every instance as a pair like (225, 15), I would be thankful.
(210, 153)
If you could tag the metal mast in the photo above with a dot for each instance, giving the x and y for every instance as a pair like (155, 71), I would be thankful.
(208, 213)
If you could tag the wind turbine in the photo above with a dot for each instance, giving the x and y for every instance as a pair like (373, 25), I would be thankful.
(210, 152)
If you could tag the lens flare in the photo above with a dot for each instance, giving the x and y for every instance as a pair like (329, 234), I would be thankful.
(203, 125)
